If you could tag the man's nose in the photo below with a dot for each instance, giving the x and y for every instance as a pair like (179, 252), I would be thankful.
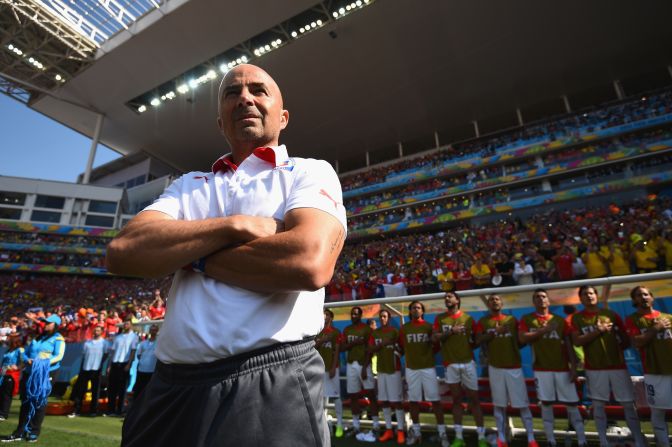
(245, 98)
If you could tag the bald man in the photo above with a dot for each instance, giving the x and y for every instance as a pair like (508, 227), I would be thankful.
(252, 244)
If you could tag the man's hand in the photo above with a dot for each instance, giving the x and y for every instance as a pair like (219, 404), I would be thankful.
(249, 228)
(501, 329)
(332, 372)
(661, 324)
(604, 325)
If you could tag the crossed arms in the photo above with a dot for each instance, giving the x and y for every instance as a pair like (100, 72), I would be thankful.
(255, 253)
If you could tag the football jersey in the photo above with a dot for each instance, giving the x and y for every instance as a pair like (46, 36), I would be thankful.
(388, 359)
(356, 332)
(502, 350)
(331, 337)
(457, 347)
(416, 338)
(657, 355)
(605, 351)
(549, 351)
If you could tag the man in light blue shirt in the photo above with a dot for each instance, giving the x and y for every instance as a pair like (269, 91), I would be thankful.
(146, 361)
(122, 353)
(94, 355)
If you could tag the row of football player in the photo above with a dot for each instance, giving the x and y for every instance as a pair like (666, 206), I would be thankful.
(601, 334)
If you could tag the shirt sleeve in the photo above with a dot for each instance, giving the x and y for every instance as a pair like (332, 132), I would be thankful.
(522, 326)
(570, 323)
(478, 328)
(317, 186)
(59, 350)
(631, 328)
(170, 201)
(618, 321)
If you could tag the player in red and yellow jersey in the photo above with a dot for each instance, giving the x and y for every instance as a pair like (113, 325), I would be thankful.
(359, 375)
(384, 343)
(602, 335)
(651, 331)
(415, 339)
(327, 343)
(498, 335)
(554, 364)
(454, 330)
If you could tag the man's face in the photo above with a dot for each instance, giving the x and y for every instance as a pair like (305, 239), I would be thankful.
(384, 318)
(588, 297)
(451, 301)
(643, 298)
(541, 301)
(250, 107)
(355, 316)
(153, 331)
(495, 303)
(327, 319)
(127, 326)
(97, 331)
(416, 311)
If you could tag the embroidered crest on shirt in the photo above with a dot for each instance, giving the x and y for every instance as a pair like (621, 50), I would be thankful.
(287, 165)
(204, 177)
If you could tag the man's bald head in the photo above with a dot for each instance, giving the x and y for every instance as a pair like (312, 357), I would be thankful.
(248, 68)
(251, 110)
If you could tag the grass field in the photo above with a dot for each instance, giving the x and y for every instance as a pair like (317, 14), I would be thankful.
(61, 431)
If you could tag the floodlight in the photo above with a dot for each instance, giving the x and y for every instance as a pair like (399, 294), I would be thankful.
(294, 33)
(313, 25)
(212, 74)
(358, 2)
(223, 68)
(341, 10)
(319, 23)
(335, 14)
(182, 89)
(244, 58)
(193, 83)
(58, 77)
(155, 102)
(142, 108)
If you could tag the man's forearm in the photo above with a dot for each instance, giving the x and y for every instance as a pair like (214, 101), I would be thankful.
(294, 260)
(155, 245)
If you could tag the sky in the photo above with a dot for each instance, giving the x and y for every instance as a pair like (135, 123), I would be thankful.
(35, 146)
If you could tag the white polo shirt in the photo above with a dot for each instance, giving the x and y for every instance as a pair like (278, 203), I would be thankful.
(208, 320)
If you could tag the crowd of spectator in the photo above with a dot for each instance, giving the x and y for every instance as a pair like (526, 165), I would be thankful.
(552, 246)
(474, 178)
(52, 258)
(81, 301)
(24, 237)
(589, 121)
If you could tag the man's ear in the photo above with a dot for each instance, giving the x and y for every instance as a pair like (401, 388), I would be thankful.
(284, 119)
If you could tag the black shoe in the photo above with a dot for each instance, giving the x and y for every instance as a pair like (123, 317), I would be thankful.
(12, 438)
(32, 437)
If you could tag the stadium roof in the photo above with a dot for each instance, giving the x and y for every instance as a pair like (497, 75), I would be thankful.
(396, 71)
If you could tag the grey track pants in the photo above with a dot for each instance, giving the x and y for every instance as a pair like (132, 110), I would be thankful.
(269, 397)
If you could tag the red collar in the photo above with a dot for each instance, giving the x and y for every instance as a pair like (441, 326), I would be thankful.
(499, 317)
(650, 316)
(543, 317)
(455, 316)
(225, 162)
(418, 321)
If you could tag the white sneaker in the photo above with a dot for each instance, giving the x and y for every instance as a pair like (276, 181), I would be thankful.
(413, 438)
(443, 439)
(366, 437)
